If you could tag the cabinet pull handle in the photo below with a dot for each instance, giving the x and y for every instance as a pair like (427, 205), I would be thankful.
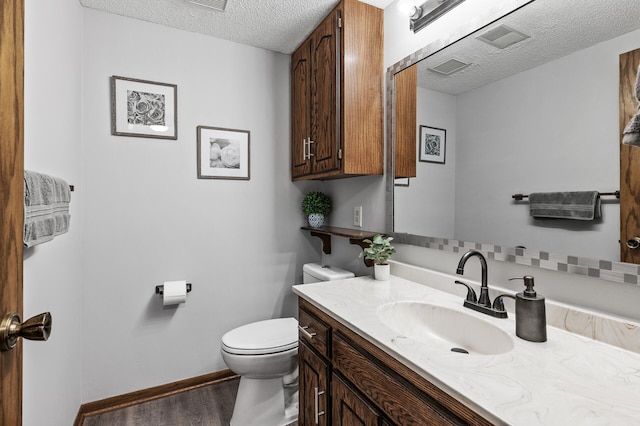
(309, 155)
(304, 331)
(318, 413)
(304, 149)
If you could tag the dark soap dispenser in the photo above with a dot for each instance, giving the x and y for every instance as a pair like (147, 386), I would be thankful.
(531, 317)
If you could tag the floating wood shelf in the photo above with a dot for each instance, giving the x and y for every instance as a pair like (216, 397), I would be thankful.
(355, 237)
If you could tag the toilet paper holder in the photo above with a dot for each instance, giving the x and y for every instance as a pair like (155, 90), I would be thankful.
(160, 289)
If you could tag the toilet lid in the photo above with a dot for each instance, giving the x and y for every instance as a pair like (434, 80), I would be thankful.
(262, 337)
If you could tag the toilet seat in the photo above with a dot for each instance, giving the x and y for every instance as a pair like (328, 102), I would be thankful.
(262, 337)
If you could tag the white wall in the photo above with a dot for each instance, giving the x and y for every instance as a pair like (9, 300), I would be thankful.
(365, 191)
(427, 205)
(149, 219)
(52, 273)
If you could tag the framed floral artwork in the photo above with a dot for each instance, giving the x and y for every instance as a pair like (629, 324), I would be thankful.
(223, 153)
(143, 108)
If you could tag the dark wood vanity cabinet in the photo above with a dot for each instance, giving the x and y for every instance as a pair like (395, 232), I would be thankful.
(345, 380)
(336, 96)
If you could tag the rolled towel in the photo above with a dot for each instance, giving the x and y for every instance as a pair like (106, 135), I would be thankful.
(46, 208)
(577, 205)
(631, 133)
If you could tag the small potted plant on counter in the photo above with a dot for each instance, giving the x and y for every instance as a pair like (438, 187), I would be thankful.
(316, 205)
(379, 250)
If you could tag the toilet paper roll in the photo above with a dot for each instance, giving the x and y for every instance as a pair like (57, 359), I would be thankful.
(174, 292)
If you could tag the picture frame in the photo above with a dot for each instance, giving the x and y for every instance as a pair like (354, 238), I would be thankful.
(433, 144)
(142, 108)
(223, 153)
(401, 181)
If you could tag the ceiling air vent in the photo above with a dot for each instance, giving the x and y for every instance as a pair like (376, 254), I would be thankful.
(449, 67)
(211, 4)
(503, 37)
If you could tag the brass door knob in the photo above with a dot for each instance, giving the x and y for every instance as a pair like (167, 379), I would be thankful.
(35, 328)
(633, 243)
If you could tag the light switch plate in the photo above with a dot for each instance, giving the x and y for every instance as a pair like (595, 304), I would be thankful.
(357, 216)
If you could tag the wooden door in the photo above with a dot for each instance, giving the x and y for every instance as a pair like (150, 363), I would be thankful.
(11, 198)
(325, 95)
(300, 111)
(629, 160)
(405, 143)
(313, 387)
(347, 408)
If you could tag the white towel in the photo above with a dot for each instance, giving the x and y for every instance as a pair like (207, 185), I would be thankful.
(46, 208)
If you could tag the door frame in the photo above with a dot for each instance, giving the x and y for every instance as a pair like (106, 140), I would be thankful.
(11, 197)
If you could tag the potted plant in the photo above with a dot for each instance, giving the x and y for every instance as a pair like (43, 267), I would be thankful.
(316, 205)
(379, 250)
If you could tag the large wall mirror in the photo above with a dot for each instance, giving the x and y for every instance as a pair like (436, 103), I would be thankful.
(529, 103)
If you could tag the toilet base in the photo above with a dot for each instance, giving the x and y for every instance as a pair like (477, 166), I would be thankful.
(261, 402)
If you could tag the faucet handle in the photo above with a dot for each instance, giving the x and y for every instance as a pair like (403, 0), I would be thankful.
(498, 304)
(471, 294)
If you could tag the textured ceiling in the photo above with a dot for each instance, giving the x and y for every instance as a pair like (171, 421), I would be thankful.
(557, 28)
(279, 25)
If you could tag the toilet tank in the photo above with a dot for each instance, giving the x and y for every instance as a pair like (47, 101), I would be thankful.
(315, 272)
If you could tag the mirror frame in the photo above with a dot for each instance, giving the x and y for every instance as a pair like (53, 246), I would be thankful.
(618, 272)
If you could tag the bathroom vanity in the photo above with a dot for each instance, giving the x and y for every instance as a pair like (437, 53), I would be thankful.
(331, 356)
(362, 361)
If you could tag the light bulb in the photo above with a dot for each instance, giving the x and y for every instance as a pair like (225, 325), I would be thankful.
(407, 7)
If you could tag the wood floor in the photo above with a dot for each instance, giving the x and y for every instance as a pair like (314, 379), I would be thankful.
(205, 406)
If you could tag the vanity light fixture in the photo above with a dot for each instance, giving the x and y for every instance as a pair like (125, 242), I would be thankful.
(218, 5)
(430, 11)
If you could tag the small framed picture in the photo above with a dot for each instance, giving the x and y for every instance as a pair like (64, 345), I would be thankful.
(223, 153)
(433, 144)
(142, 108)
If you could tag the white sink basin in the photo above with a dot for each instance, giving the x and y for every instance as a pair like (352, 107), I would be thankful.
(428, 323)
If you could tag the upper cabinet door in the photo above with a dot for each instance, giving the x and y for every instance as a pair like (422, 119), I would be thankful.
(324, 95)
(337, 117)
(300, 112)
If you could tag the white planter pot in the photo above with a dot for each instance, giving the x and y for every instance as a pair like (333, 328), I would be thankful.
(381, 272)
(316, 220)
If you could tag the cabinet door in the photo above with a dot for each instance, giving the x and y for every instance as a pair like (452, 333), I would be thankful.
(406, 122)
(347, 408)
(325, 99)
(300, 111)
(313, 388)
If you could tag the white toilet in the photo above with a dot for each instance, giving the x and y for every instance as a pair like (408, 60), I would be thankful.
(264, 355)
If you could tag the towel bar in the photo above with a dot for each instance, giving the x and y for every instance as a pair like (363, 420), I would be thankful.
(160, 289)
(520, 197)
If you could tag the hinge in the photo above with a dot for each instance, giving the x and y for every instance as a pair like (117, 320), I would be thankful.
(340, 154)
(339, 22)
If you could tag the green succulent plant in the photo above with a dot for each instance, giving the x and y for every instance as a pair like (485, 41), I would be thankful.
(316, 202)
(379, 250)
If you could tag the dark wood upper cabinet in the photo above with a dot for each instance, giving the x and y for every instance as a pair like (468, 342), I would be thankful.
(337, 96)
(406, 122)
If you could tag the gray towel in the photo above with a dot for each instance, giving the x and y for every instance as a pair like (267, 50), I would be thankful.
(631, 133)
(46, 208)
(578, 205)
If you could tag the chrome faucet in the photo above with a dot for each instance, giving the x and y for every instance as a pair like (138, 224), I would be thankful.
(482, 304)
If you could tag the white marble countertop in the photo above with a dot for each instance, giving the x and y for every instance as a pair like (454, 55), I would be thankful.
(568, 380)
